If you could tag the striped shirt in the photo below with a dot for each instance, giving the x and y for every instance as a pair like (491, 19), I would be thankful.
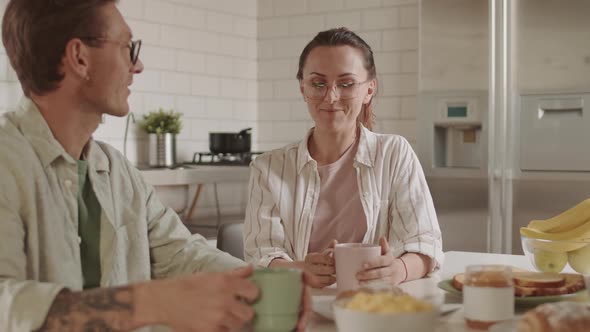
(284, 191)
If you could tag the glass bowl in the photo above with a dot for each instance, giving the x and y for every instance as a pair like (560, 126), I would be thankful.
(555, 256)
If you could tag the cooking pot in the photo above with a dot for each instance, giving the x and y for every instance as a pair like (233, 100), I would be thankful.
(230, 142)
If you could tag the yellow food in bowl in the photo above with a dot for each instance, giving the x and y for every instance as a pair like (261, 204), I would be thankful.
(384, 302)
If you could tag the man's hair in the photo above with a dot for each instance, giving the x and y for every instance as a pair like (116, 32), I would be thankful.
(35, 34)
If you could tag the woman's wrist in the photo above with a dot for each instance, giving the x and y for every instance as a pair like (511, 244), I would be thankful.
(399, 272)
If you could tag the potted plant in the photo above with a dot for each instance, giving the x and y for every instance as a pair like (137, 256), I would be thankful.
(162, 127)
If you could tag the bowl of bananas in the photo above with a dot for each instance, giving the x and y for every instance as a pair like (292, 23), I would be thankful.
(554, 243)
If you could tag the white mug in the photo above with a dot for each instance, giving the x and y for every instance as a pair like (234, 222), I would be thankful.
(349, 259)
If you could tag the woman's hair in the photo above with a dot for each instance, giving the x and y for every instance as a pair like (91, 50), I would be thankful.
(35, 34)
(344, 37)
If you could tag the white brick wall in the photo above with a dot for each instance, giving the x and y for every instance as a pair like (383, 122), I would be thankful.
(286, 26)
(230, 64)
(200, 59)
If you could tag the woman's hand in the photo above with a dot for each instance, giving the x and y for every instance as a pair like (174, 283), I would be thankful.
(321, 267)
(386, 267)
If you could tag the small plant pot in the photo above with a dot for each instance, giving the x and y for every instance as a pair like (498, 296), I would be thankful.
(162, 150)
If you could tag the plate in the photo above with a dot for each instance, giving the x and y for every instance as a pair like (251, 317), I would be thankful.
(322, 305)
(447, 285)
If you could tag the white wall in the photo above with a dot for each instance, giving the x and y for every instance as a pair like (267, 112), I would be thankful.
(200, 59)
(231, 64)
(286, 26)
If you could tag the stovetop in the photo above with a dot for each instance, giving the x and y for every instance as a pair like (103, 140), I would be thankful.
(223, 159)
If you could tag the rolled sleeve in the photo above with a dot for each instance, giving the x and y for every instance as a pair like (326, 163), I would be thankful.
(414, 223)
(174, 250)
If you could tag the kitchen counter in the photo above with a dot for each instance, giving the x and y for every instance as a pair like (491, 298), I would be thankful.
(194, 174)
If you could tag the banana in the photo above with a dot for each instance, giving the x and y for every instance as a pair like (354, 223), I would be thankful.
(574, 234)
(565, 221)
(533, 244)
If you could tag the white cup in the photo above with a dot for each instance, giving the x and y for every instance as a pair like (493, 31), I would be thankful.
(349, 259)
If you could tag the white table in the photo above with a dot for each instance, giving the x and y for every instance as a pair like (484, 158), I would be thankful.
(194, 174)
(455, 262)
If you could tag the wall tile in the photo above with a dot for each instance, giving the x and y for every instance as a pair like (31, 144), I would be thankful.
(325, 6)
(273, 27)
(158, 57)
(288, 7)
(190, 62)
(356, 4)
(399, 85)
(406, 39)
(306, 25)
(160, 11)
(378, 19)
(190, 17)
(147, 81)
(408, 108)
(409, 62)
(205, 86)
(265, 8)
(176, 37)
(191, 106)
(220, 22)
(409, 16)
(149, 33)
(219, 108)
(129, 8)
(350, 20)
(175, 83)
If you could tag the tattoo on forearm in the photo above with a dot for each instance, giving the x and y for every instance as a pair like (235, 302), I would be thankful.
(97, 310)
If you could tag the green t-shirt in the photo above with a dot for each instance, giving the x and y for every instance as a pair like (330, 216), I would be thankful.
(88, 228)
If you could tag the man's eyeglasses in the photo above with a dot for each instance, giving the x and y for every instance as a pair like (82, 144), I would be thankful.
(134, 46)
(317, 89)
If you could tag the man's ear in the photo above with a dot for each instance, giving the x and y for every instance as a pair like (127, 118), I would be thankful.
(76, 58)
(371, 89)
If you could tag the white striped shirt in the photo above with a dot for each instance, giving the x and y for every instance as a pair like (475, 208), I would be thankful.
(284, 191)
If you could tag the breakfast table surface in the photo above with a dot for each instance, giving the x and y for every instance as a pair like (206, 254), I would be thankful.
(455, 262)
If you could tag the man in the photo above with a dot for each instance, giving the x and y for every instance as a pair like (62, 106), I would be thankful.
(81, 234)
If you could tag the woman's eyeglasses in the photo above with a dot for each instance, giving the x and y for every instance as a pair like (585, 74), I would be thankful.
(317, 89)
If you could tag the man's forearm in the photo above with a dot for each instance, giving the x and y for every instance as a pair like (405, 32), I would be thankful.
(101, 309)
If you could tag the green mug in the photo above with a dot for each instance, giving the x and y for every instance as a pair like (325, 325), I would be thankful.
(277, 308)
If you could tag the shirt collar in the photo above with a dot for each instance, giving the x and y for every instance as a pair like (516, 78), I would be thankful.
(35, 129)
(365, 153)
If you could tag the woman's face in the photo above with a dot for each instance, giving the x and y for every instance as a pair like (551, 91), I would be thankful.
(335, 87)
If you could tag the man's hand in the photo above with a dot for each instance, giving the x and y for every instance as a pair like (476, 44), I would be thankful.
(205, 301)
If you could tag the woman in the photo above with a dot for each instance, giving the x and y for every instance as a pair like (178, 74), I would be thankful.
(342, 183)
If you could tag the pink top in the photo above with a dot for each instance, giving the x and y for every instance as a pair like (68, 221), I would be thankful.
(339, 213)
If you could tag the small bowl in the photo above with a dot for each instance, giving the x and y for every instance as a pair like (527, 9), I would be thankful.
(555, 256)
(348, 320)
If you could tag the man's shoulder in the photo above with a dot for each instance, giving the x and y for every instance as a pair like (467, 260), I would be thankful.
(14, 147)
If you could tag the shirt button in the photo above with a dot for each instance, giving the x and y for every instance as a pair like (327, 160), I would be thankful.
(79, 240)
(68, 183)
(366, 194)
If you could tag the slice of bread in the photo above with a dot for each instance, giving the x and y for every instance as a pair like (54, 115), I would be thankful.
(538, 286)
(458, 281)
(573, 283)
(538, 279)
